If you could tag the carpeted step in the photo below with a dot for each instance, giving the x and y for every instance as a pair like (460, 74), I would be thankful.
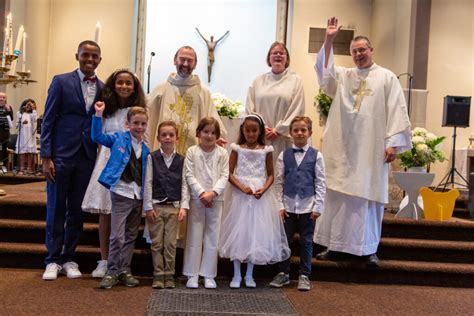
(389, 272)
(462, 230)
(10, 209)
(394, 272)
(426, 250)
(33, 231)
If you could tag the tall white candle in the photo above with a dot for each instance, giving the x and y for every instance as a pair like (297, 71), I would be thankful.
(98, 29)
(5, 44)
(16, 51)
(10, 33)
(19, 38)
(23, 67)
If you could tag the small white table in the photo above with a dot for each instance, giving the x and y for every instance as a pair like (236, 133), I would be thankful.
(411, 182)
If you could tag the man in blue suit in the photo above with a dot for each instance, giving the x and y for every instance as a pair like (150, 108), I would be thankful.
(68, 155)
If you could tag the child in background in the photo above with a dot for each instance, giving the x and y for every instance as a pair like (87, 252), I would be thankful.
(26, 139)
(252, 231)
(6, 119)
(162, 196)
(301, 187)
(206, 170)
(122, 90)
(124, 176)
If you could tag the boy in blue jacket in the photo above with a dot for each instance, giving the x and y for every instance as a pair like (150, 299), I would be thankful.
(124, 176)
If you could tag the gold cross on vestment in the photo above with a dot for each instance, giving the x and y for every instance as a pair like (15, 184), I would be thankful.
(360, 93)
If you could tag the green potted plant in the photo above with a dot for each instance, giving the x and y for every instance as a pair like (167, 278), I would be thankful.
(323, 103)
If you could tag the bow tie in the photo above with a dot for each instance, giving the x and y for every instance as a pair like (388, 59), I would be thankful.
(298, 150)
(91, 79)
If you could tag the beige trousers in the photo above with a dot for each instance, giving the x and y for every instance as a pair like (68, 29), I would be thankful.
(163, 239)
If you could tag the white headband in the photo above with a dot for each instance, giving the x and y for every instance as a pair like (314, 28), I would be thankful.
(258, 117)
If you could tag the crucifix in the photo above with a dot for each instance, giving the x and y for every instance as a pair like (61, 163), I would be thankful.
(360, 93)
(211, 45)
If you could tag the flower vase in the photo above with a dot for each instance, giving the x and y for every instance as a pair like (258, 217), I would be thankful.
(417, 169)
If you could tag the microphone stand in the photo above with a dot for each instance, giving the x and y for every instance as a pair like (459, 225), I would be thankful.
(410, 86)
(149, 73)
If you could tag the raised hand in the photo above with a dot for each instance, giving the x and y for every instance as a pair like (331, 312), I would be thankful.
(332, 29)
(99, 108)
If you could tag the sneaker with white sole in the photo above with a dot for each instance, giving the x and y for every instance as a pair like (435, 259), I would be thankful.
(101, 269)
(210, 283)
(51, 271)
(71, 270)
(303, 283)
(192, 282)
(280, 280)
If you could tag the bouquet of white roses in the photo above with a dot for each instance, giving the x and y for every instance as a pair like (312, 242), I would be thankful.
(426, 149)
(227, 107)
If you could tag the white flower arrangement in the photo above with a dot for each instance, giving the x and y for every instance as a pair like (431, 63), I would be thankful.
(226, 107)
(426, 149)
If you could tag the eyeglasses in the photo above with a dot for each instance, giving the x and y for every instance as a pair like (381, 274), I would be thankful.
(278, 53)
(361, 50)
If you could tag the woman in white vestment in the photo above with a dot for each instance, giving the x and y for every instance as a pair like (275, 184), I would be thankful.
(122, 91)
(278, 97)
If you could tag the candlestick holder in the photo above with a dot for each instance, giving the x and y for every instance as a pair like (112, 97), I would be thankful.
(22, 78)
(8, 58)
(4, 70)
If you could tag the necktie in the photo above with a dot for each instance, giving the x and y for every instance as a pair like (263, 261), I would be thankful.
(90, 79)
(298, 150)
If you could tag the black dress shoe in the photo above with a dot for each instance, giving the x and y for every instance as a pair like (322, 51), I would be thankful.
(372, 261)
(327, 255)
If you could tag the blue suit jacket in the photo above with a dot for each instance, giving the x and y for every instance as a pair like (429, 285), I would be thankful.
(66, 124)
(120, 144)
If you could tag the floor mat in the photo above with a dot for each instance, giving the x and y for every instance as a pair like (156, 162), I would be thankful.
(262, 300)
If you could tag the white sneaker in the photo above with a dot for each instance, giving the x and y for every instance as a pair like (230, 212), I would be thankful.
(235, 283)
(192, 282)
(250, 282)
(209, 283)
(51, 271)
(101, 269)
(71, 269)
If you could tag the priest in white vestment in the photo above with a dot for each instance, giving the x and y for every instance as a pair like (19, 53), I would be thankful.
(367, 126)
(278, 97)
(182, 99)
(185, 101)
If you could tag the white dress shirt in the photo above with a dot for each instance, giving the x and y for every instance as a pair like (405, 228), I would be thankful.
(130, 190)
(89, 90)
(148, 200)
(299, 205)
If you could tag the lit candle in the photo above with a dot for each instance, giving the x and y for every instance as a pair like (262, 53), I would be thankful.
(5, 44)
(23, 67)
(98, 29)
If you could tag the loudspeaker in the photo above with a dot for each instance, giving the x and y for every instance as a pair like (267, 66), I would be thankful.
(456, 111)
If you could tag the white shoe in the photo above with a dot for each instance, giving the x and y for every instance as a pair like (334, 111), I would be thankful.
(101, 269)
(51, 271)
(192, 282)
(71, 269)
(209, 283)
(250, 282)
(235, 283)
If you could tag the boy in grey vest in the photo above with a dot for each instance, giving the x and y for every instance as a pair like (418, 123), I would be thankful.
(163, 182)
(301, 186)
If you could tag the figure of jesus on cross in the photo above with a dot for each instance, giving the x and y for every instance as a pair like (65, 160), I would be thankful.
(211, 45)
